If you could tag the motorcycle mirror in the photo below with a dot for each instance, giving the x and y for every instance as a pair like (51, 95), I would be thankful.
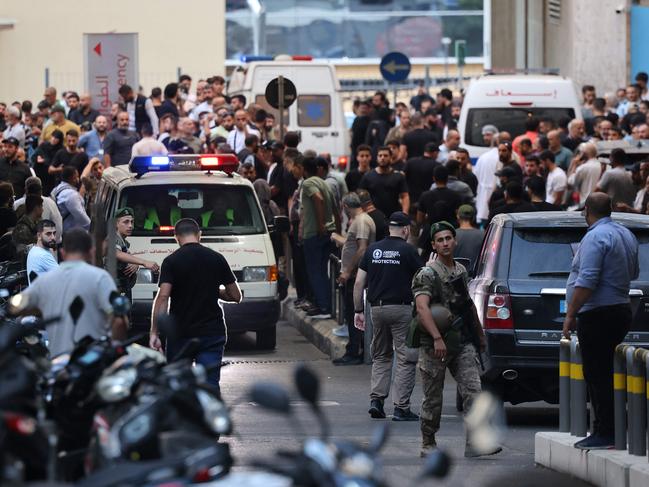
(379, 437)
(76, 308)
(167, 326)
(437, 465)
(271, 396)
(308, 385)
(121, 304)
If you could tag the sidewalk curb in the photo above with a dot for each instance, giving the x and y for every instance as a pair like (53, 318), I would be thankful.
(611, 468)
(318, 332)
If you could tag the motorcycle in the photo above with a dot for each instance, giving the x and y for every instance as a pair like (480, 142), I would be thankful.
(322, 462)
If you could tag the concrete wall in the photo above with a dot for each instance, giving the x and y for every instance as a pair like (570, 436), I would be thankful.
(188, 34)
(503, 33)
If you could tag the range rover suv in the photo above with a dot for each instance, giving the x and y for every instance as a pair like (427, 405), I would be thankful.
(519, 290)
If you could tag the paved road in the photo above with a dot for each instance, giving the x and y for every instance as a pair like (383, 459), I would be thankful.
(345, 393)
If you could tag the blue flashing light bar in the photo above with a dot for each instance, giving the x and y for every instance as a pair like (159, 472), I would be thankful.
(143, 164)
(249, 58)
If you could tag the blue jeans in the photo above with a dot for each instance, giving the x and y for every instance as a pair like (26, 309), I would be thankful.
(316, 255)
(209, 354)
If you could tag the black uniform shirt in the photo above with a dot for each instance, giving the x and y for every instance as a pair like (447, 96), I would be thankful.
(390, 264)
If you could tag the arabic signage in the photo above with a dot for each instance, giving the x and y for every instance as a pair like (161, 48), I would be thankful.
(110, 61)
(508, 93)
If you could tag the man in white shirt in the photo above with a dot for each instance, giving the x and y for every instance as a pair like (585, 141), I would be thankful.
(485, 171)
(585, 178)
(14, 126)
(42, 256)
(241, 130)
(556, 182)
(204, 106)
(148, 145)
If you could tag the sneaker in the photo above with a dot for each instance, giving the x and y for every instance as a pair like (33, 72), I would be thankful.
(404, 415)
(317, 314)
(342, 331)
(376, 409)
(427, 449)
(470, 452)
(349, 360)
(596, 442)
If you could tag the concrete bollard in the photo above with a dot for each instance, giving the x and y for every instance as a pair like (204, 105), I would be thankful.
(564, 385)
(619, 393)
(578, 416)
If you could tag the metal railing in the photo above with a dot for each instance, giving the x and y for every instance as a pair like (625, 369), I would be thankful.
(630, 391)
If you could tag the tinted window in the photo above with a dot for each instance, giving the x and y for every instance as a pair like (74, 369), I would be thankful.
(548, 253)
(219, 210)
(511, 120)
(314, 110)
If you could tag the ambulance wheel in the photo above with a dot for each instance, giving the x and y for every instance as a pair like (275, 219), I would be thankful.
(267, 339)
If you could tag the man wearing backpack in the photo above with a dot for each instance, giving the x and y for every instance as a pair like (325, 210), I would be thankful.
(69, 201)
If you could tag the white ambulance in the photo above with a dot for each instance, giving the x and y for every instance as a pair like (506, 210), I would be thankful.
(163, 189)
(506, 101)
(317, 114)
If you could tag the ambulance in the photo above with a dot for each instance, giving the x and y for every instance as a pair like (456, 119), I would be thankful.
(163, 189)
(507, 100)
(317, 114)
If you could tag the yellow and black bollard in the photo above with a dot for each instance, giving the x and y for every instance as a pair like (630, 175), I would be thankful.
(564, 385)
(578, 423)
(637, 388)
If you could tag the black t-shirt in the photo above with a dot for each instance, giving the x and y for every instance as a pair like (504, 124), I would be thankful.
(385, 189)
(8, 220)
(544, 206)
(195, 273)
(419, 176)
(440, 204)
(390, 264)
(416, 140)
(14, 172)
(520, 207)
(353, 179)
(285, 182)
(470, 179)
(380, 223)
(65, 158)
(359, 129)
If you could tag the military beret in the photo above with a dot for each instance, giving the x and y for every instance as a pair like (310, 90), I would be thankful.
(122, 212)
(440, 227)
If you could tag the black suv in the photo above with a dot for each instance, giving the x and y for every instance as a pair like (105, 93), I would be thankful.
(520, 293)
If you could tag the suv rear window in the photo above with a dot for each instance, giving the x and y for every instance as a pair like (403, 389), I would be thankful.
(218, 209)
(548, 252)
(511, 120)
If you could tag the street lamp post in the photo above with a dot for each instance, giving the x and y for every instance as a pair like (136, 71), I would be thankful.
(446, 41)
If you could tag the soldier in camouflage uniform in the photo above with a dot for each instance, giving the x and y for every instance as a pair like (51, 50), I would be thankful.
(443, 281)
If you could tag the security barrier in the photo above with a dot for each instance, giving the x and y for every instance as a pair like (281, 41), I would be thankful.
(337, 290)
(630, 390)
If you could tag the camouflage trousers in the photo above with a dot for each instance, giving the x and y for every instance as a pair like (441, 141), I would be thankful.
(465, 371)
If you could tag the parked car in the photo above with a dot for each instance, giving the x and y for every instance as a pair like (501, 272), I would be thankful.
(519, 290)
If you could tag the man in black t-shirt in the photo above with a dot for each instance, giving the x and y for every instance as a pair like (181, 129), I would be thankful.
(70, 155)
(388, 188)
(190, 278)
(377, 216)
(419, 174)
(387, 268)
(364, 160)
(414, 142)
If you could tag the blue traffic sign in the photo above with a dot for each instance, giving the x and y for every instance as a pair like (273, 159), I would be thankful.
(395, 67)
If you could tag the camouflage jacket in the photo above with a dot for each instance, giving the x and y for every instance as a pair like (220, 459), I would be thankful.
(24, 232)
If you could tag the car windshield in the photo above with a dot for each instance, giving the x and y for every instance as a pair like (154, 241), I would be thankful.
(218, 209)
(553, 250)
(510, 120)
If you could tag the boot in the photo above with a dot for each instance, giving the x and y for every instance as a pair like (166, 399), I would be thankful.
(471, 452)
(428, 443)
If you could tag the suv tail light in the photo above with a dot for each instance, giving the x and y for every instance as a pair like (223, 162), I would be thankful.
(498, 312)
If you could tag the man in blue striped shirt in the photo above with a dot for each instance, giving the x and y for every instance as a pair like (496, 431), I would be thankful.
(599, 308)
